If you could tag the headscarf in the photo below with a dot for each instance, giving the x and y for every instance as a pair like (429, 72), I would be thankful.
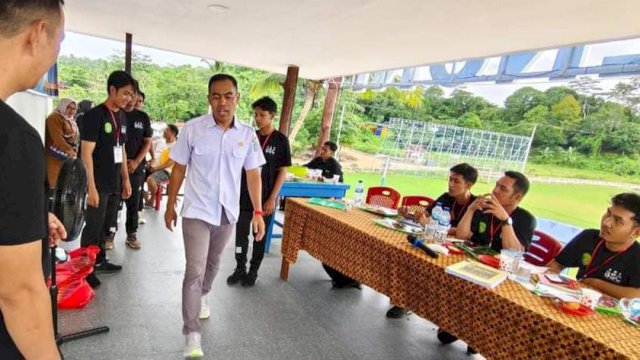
(62, 107)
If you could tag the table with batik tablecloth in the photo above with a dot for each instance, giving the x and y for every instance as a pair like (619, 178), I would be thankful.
(507, 322)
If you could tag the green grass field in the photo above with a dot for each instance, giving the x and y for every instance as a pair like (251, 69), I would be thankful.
(579, 205)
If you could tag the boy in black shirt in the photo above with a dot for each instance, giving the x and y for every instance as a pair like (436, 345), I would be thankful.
(104, 154)
(30, 36)
(609, 259)
(275, 147)
(326, 162)
(139, 135)
(462, 177)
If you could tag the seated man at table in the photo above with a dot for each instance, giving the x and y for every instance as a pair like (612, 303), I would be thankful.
(462, 177)
(496, 220)
(608, 259)
(326, 162)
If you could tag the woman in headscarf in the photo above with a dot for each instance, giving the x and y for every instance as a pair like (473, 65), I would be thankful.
(61, 138)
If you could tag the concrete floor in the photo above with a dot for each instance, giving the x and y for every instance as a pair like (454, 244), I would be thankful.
(303, 318)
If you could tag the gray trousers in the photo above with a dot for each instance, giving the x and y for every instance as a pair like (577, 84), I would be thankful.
(203, 245)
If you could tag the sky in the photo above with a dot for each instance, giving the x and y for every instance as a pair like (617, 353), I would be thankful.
(81, 45)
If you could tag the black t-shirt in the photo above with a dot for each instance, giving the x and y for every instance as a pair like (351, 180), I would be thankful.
(138, 128)
(623, 270)
(456, 211)
(98, 126)
(329, 168)
(277, 154)
(23, 200)
(482, 225)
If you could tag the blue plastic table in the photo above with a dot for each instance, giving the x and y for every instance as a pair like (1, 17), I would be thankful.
(304, 189)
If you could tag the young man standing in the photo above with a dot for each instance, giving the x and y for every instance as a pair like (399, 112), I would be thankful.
(276, 151)
(215, 148)
(497, 221)
(30, 36)
(462, 177)
(104, 154)
(608, 259)
(138, 144)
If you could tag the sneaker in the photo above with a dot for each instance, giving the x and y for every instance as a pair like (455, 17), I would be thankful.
(141, 219)
(93, 280)
(192, 348)
(250, 279)
(205, 310)
(237, 276)
(471, 351)
(445, 337)
(352, 284)
(106, 266)
(397, 312)
(108, 241)
(133, 242)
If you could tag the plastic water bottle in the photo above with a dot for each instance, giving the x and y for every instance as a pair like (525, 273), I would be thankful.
(358, 197)
(430, 230)
(444, 223)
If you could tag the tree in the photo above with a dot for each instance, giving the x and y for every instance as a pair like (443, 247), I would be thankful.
(520, 102)
(628, 93)
(566, 113)
(470, 120)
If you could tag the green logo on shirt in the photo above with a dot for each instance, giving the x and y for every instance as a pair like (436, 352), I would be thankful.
(108, 128)
(482, 227)
(586, 259)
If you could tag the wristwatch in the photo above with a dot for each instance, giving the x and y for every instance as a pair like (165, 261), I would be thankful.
(508, 221)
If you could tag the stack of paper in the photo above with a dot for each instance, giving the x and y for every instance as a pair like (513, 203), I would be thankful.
(477, 273)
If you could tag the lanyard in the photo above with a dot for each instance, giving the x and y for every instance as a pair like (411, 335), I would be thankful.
(266, 141)
(493, 233)
(456, 216)
(115, 125)
(589, 270)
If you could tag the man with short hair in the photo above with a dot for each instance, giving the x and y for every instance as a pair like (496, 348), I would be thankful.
(462, 177)
(608, 259)
(276, 151)
(161, 166)
(104, 153)
(326, 162)
(497, 221)
(30, 36)
(215, 148)
(138, 144)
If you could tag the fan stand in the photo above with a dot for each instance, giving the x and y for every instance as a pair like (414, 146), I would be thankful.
(53, 291)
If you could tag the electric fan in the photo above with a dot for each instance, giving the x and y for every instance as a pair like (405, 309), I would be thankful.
(68, 205)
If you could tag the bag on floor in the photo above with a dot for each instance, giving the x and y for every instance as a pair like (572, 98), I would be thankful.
(73, 290)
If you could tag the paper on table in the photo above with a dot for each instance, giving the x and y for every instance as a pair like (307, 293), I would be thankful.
(534, 269)
(438, 248)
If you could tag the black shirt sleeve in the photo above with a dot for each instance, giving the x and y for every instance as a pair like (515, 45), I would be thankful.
(524, 225)
(571, 254)
(91, 124)
(337, 169)
(22, 188)
(148, 132)
(285, 156)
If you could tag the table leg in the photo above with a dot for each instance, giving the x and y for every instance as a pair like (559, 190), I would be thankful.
(284, 270)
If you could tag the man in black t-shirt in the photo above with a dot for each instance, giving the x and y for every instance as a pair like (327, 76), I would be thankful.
(326, 162)
(139, 135)
(30, 36)
(608, 260)
(462, 177)
(275, 147)
(104, 153)
(496, 220)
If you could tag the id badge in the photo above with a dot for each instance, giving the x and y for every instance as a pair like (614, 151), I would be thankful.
(117, 154)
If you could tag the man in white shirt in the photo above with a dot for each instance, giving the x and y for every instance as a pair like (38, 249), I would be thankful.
(216, 148)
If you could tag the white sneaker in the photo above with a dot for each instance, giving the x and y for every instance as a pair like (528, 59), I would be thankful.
(205, 310)
(141, 219)
(193, 349)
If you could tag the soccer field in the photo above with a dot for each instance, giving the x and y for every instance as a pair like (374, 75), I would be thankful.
(578, 205)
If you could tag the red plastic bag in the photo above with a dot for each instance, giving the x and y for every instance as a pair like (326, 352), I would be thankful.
(73, 290)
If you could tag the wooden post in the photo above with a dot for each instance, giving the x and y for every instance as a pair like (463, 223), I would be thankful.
(290, 85)
(327, 114)
(128, 52)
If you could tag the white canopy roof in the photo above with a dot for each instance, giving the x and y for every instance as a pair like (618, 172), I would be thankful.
(327, 38)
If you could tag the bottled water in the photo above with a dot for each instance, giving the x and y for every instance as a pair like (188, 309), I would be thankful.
(444, 223)
(430, 230)
(358, 197)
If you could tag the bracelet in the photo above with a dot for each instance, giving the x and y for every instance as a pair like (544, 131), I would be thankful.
(258, 212)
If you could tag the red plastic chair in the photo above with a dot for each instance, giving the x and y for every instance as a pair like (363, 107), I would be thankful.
(416, 202)
(383, 196)
(543, 249)
(158, 194)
